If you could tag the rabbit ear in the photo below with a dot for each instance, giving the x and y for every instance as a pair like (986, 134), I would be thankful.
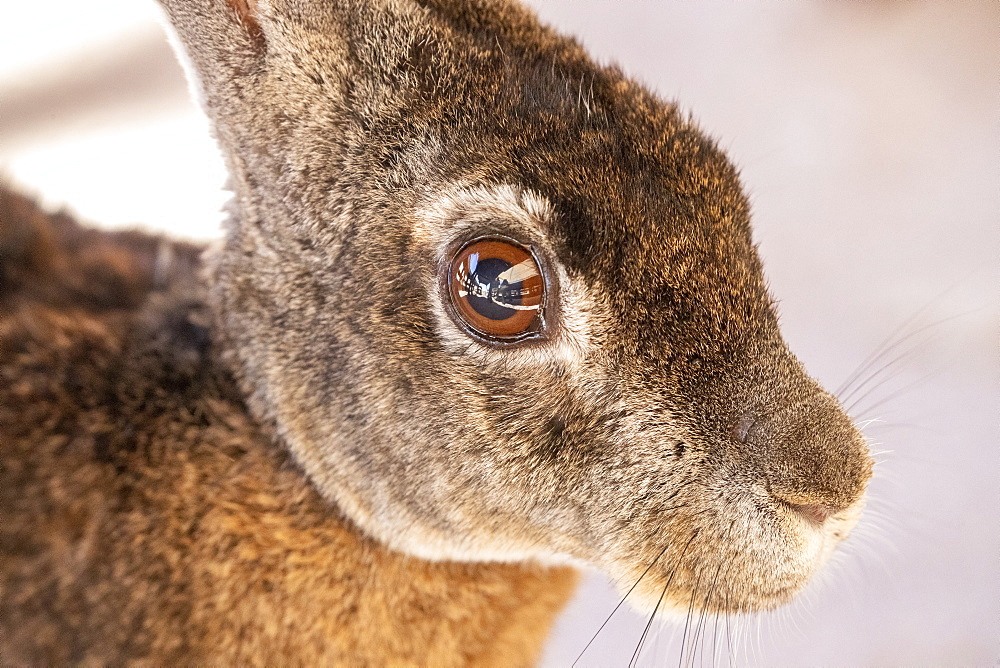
(231, 43)
(254, 61)
(274, 75)
(221, 38)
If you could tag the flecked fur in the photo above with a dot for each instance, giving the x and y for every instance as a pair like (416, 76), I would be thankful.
(147, 517)
(659, 424)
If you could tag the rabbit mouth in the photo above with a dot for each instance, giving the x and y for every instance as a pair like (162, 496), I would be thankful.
(721, 588)
(714, 572)
(718, 589)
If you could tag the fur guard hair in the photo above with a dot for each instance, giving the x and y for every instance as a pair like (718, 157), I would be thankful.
(147, 517)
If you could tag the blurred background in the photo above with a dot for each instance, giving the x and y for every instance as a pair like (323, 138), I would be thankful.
(868, 135)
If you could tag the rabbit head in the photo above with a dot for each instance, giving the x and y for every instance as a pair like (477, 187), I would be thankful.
(402, 169)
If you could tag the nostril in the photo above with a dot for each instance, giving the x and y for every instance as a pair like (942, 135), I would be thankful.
(816, 513)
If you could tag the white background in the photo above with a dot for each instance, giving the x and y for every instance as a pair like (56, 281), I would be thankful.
(868, 135)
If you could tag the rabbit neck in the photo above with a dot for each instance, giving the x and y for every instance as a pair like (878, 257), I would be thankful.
(180, 528)
(293, 578)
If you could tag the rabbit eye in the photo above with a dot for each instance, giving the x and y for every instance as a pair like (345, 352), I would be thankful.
(496, 288)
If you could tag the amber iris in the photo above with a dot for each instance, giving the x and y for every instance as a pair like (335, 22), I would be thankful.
(496, 288)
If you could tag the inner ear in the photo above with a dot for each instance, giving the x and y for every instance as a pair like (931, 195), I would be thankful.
(245, 10)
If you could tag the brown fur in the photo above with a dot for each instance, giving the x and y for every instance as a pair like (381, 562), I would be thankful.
(657, 427)
(147, 517)
(244, 10)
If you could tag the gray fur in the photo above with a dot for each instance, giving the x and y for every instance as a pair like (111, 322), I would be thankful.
(349, 121)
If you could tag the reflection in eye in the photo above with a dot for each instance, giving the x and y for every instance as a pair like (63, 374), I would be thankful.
(504, 290)
(496, 288)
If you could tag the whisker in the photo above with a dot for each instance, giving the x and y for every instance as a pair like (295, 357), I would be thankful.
(670, 578)
(864, 424)
(700, 628)
(887, 345)
(723, 611)
(642, 640)
(605, 623)
(729, 635)
(887, 372)
(715, 638)
(636, 584)
(687, 620)
(708, 599)
(850, 407)
(759, 644)
(617, 581)
(902, 390)
(870, 372)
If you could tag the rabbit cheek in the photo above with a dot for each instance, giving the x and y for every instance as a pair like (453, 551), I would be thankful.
(753, 487)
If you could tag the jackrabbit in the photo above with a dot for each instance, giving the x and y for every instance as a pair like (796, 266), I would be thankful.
(485, 312)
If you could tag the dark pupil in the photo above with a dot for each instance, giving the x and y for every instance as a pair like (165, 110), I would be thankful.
(487, 295)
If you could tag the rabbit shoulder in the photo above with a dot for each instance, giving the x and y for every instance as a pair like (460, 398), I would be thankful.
(147, 517)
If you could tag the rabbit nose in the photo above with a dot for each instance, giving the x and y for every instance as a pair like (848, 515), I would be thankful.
(812, 457)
